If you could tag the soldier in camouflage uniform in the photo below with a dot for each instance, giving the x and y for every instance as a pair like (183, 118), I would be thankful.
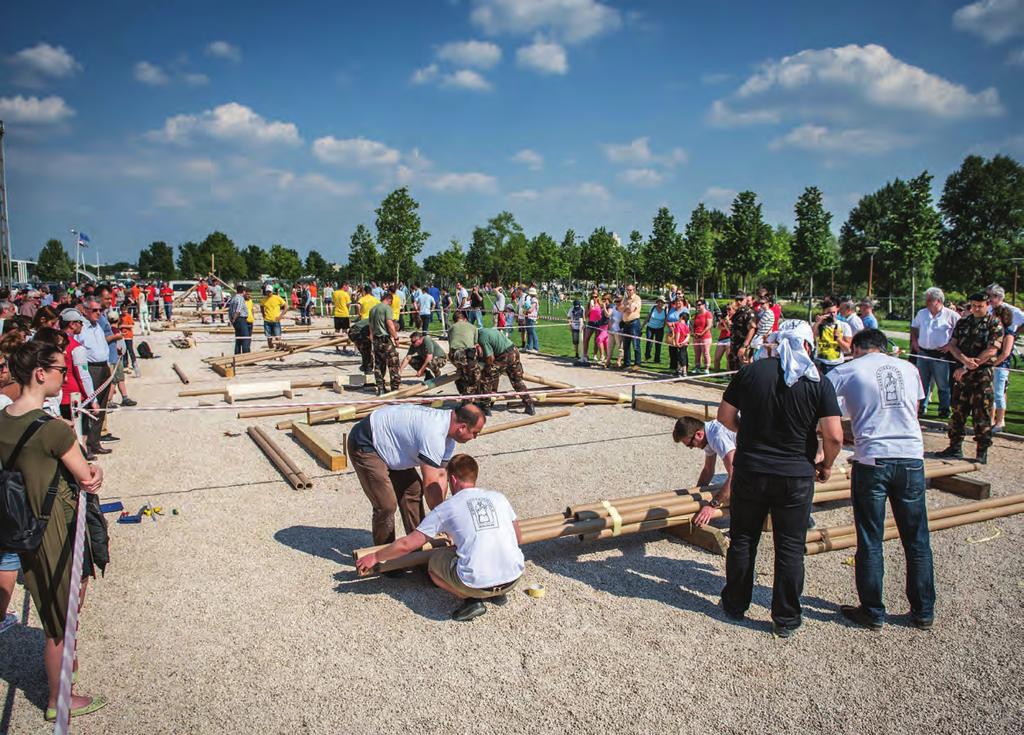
(975, 341)
(744, 324)
(462, 353)
(385, 344)
(500, 356)
(425, 356)
(359, 333)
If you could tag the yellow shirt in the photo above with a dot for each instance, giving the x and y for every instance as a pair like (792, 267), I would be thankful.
(365, 304)
(341, 301)
(248, 306)
(272, 306)
(396, 305)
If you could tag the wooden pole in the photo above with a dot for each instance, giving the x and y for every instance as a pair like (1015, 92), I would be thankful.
(181, 373)
(273, 454)
(525, 422)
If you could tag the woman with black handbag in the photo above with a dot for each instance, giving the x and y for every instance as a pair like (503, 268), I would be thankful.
(50, 457)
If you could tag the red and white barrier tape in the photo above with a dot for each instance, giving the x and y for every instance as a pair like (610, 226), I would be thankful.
(71, 621)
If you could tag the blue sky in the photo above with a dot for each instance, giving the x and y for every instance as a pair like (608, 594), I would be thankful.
(289, 122)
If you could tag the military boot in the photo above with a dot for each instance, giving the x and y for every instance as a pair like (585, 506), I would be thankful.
(982, 456)
(953, 451)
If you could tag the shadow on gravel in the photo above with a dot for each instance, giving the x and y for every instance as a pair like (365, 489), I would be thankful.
(681, 583)
(21, 666)
(333, 544)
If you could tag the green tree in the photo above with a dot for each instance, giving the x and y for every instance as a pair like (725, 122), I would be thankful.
(635, 256)
(498, 250)
(901, 222)
(811, 250)
(699, 246)
(778, 265)
(544, 259)
(364, 261)
(478, 258)
(256, 262)
(157, 261)
(399, 232)
(318, 267)
(602, 258)
(284, 263)
(747, 237)
(219, 250)
(190, 264)
(53, 263)
(663, 253)
(448, 266)
(983, 207)
(569, 249)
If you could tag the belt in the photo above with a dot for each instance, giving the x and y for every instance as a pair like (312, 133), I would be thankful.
(498, 588)
(99, 364)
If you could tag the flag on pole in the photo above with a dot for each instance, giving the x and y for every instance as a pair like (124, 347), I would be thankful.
(83, 240)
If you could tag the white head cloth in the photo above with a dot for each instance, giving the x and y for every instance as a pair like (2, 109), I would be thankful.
(796, 363)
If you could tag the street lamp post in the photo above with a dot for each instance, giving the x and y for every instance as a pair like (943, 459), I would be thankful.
(871, 268)
(1016, 265)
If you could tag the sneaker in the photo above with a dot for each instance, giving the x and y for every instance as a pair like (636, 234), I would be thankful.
(998, 427)
(857, 614)
(729, 613)
(468, 610)
(944, 414)
(783, 631)
(129, 402)
(9, 621)
(953, 451)
(982, 456)
(530, 410)
(922, 623)
(100, 450)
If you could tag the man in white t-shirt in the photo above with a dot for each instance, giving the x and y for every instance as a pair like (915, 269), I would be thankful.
(387, 447)
(848, 313)
(718, 442)
(880, 394)
(484, 561)
(929, 336)
(997, 297)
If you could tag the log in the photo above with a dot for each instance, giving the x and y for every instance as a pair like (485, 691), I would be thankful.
(181, 373)
(849, 541)
(525, 422)
(407, 392)
(559, 385)
(192, 392)
(273, 453)
(668, 408)
(965, 487)
(315, 444)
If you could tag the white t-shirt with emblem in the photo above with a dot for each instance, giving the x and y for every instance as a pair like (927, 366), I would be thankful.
(880, 395)
(408, 436)
(479, 523)
(721, 440)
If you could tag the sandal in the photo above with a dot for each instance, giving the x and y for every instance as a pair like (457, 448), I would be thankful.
(98, 702)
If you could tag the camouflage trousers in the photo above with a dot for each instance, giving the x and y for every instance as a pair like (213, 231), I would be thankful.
(437, 364)
(736, 355)
(467, 371)
(508, 363)
(972, 397)
(365, 348)
(385, 359)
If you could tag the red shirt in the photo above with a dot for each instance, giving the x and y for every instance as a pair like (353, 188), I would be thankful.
(73, 380)
(702, 322)
(167, 293)
(201, 290)
(150, 293)
(777, 311)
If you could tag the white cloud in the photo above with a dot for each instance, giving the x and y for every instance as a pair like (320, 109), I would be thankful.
(994, 20)
(529, 158)
(168, 197)
(231, 121)
(150, 74)
(638, 153)
(198, 167)
(719, 196)
(462, 183)
(587, 194)
(466, 79)
(1016, 58)
(196, 80)
(643, 177)
(477, 54)
(854, 140)
(841, 82)
(224, 50)
(526, 195)
(43, 60)
(319, 183)
(569, 20)
(357, 152)
(425, 75)
(34, 110)
(545, 57)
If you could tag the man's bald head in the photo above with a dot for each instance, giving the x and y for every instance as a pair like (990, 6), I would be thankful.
(467, 422)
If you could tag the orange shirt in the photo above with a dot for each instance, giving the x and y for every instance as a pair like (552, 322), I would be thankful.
(126, 326)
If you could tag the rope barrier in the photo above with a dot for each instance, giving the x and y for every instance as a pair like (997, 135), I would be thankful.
(67, 661)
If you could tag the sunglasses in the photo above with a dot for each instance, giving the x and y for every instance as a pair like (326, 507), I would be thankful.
(62, 368)
(95, 310)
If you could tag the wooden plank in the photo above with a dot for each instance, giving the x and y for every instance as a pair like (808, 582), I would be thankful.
(708, 538)
(540, 418)
(668, 408)
(316, 445)
(264, 389)
(965, 487)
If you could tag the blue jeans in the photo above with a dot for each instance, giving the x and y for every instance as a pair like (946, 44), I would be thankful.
(1000, 379)
(629, 333)
(476, 317)
(167, 310)
(425, 322)
(902, 482)
(242, 335)
(936, 371)
(532, 343)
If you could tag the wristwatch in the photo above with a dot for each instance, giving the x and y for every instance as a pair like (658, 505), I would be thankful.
(714, 503)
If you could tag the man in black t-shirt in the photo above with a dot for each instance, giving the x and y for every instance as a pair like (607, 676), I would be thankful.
(775, 406)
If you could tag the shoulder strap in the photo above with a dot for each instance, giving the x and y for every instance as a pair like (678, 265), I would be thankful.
(32, 429)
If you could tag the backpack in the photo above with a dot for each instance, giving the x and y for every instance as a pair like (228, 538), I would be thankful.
(20, 530)
(145, 352)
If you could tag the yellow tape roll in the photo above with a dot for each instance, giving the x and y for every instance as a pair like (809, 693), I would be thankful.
(614, 515)
(535, 590)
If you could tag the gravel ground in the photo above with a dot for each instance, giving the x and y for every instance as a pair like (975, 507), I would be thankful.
(242, 613)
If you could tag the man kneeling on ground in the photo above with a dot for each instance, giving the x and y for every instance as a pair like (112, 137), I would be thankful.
(485, 561)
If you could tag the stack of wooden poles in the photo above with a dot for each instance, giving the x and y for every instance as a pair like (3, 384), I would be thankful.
(284, 464)
(225, 365)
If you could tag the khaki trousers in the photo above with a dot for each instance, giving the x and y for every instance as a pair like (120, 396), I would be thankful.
(388, 491)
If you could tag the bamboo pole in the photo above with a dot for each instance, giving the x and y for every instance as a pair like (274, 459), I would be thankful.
(273, 454)
(525, 422)
(181, 373)
(651, 525)
(963, 519)
(192, 392)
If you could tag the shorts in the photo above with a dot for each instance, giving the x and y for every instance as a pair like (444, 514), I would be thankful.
(575, 336)
(442, 565)
(272, 329)
(118, 369)
(341, 323)
(9, 562)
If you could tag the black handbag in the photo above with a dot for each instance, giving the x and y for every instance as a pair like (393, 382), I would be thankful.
(20, 530)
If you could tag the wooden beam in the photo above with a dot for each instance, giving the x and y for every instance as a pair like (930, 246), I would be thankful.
(525, 422)
(708, 538)
(966, 487)
(316, 445)
(668, 408)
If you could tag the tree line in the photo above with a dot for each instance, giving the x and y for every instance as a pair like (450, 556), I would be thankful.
(963, 241)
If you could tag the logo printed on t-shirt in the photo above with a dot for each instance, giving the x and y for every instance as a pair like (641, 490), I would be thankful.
(890, 383)
(484, 516)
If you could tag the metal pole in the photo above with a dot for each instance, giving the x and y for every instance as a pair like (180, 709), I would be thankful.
(7, 271)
